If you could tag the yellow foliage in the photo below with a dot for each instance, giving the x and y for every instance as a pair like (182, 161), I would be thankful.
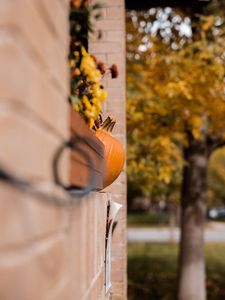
(172, 97)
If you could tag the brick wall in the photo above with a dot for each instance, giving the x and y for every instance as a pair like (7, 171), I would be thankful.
(111, 49)
(47, 252)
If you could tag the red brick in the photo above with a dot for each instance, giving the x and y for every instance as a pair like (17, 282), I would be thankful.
(34, 50)
(97, 47)
(117, 275)
(107, 24)
(117, 58)
(113, 33)
(121, 138)
(33, 88)
(114, 36)
(26, 218)
(115, 13)
(110, 2)
(27, 149)
(81, 229)
(118, 297)
(119, 128)
(30, 274)
(119, 287)
(120, 231)
(116, 188)
(55, 17)
(61, 291)
(116, 82)
(118, 251)
(36, 38)
(117, 263)
(122, 177)
(116, 106)
(116, 94)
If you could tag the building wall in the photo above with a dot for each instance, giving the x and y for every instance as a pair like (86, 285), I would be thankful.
(110, 48)
(47, 252)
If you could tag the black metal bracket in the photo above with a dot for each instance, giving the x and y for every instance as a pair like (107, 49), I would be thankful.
(73, 144)
(69, 193)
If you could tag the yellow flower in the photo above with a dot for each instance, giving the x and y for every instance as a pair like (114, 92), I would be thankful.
(87, 64)
(76, 107)
(86, 102)
(72, 63)
(91, 123)
(99, 92)
(90, 114)
(103, 95)
(90, 106)
(97, 104)
(95, 90)
(76, 54)
(83, 51)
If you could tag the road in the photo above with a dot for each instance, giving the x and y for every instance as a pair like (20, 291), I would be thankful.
(214, 232)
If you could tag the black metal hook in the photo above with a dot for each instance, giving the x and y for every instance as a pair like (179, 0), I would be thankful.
(33, 188)
(38, 189)
(73, 144)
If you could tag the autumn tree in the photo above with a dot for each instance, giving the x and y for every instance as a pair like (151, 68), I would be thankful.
(216, 178)
(154, 163)
(179, 118)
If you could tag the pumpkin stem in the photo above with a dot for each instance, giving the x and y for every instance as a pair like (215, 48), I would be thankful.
(108, 124)
(111, 126)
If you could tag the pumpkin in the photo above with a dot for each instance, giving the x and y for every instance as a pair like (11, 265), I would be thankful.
(114, 152)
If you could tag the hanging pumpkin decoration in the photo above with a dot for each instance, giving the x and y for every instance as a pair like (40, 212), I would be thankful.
(114, 152)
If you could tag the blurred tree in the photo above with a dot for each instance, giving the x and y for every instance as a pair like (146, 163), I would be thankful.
(154, 168)
(216, 178)
(176, 119)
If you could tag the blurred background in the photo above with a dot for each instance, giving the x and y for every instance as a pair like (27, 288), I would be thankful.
(175, 93)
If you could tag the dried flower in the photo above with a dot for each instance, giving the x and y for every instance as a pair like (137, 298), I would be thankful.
(114, 71)
(76, 3)
(94, 58)
(102, 67)
(75, 72)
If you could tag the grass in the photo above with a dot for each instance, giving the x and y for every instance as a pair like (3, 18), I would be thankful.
(152, 271)
(153, 219)
(147, 219)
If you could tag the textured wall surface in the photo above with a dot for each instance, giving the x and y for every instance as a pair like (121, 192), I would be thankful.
(47, 252)
(111, 49)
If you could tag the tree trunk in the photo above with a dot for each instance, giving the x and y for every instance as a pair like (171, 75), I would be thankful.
(191, 273)
(172, 223)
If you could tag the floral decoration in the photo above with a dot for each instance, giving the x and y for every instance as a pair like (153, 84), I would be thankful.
(86, 72)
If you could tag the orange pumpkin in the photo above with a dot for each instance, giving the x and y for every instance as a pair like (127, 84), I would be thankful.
(114, 152)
